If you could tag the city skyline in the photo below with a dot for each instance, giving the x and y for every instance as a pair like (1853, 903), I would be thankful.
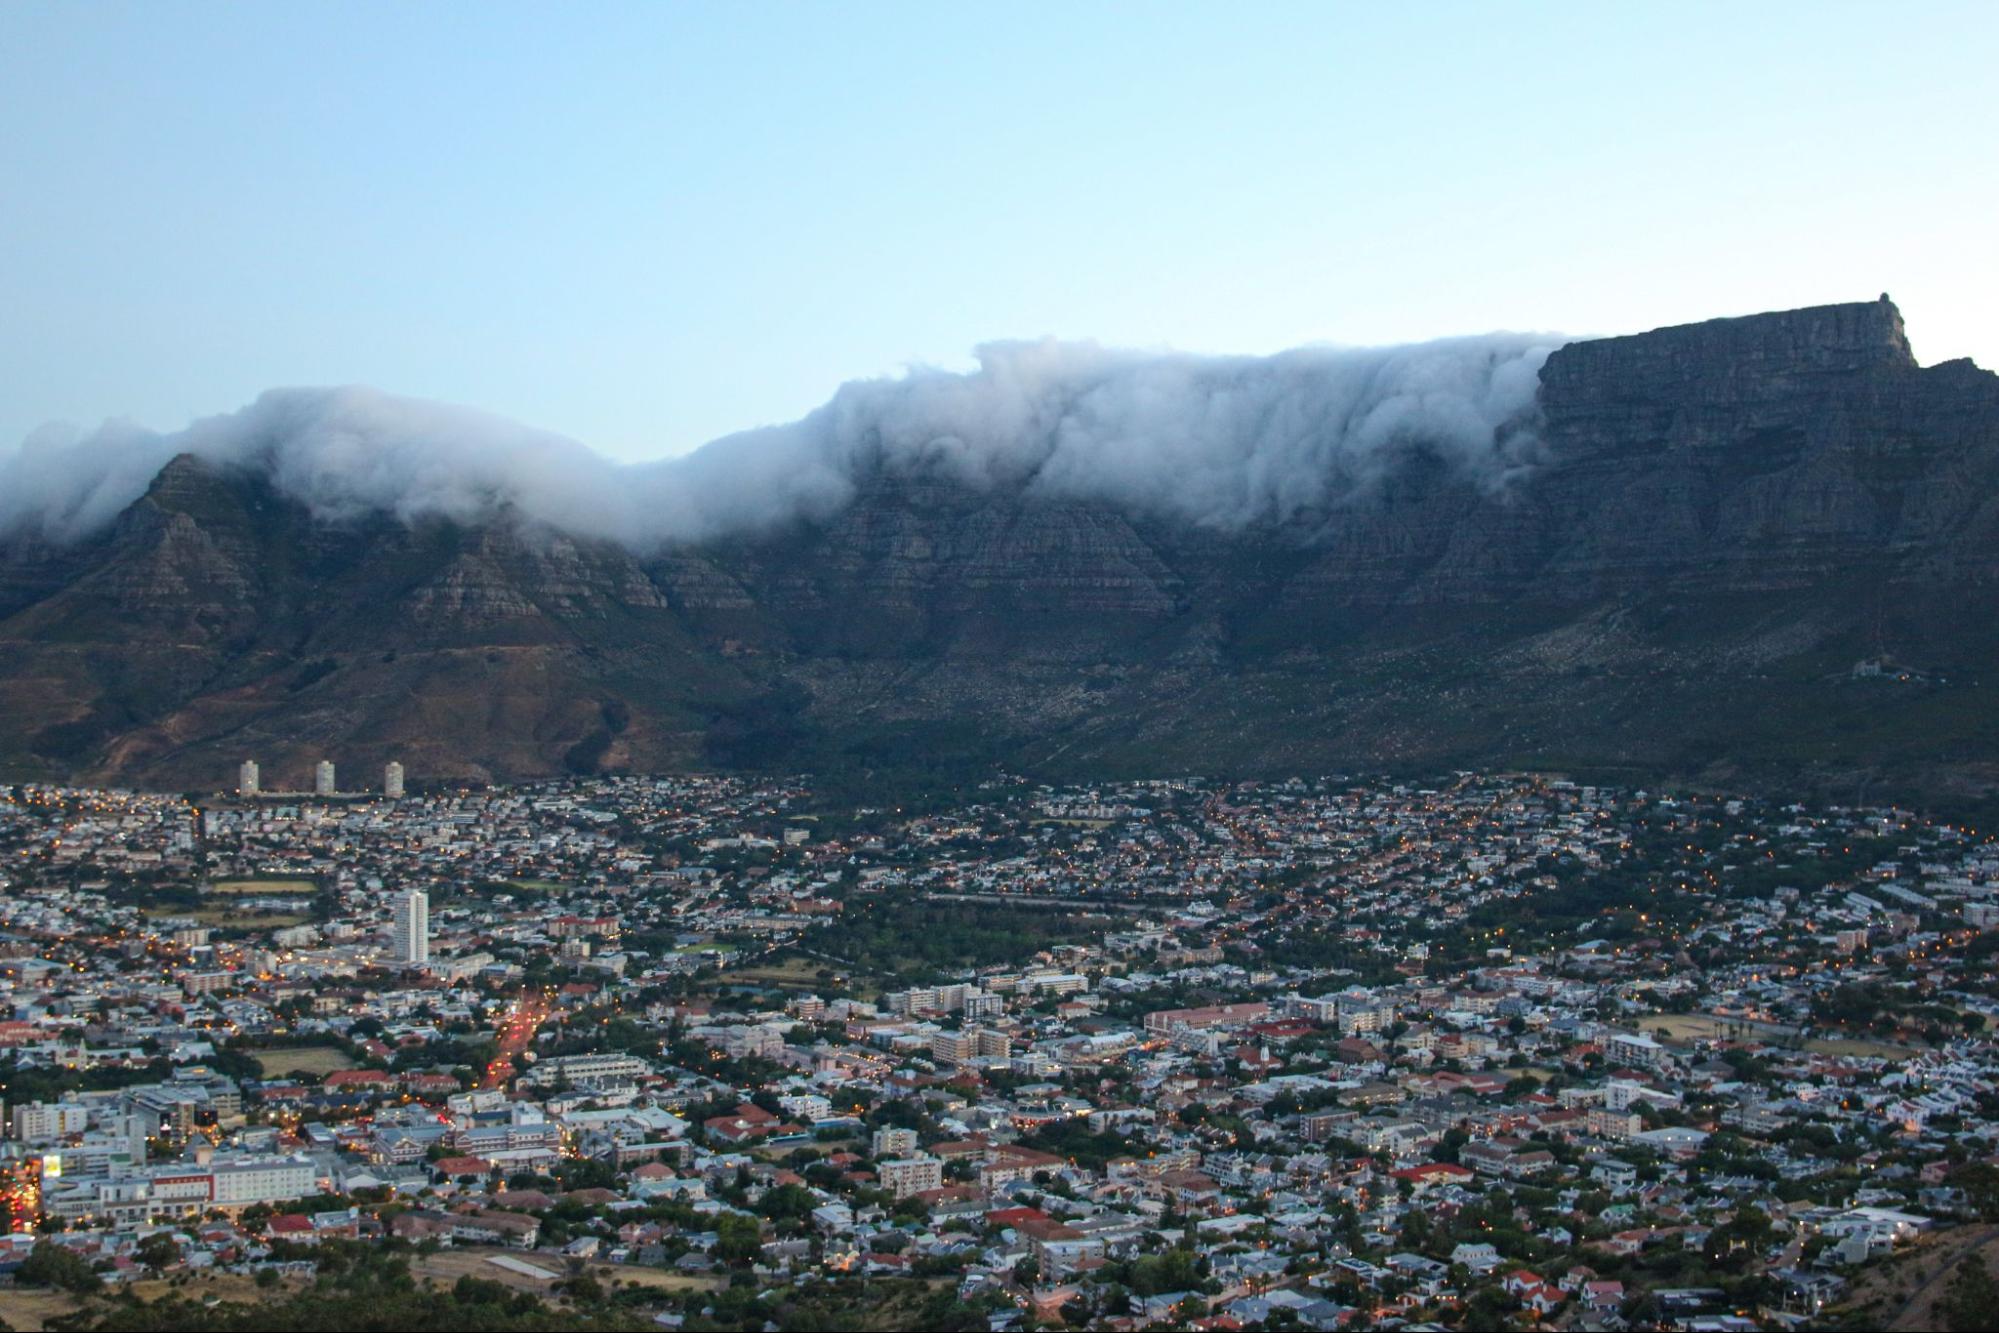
(324, 772)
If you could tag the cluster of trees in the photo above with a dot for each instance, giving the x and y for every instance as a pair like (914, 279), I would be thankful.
(1971, 1303)
(52, 1265)
(1177, 1269)
(1886, 1010)
(357, 1287)
(42, 1083)
(1327, 947)
(906, 935)
(1980, 1183)
(1072, 1139)
(844, 1303)
(602, 1029)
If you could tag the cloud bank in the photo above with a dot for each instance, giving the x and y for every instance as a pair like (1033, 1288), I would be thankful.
(1220, 442)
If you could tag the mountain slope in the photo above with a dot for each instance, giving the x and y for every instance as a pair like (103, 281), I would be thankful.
(1726, 521)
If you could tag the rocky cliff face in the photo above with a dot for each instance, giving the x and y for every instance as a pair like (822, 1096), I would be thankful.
(1769, 452)
(1726, 519)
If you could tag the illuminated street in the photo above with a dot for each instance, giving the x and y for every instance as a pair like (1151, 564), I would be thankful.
(516, 1033)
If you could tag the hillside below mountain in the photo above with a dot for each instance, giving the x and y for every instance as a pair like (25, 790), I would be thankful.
(1761, 550)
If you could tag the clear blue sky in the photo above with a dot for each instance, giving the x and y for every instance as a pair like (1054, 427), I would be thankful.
(645, 225)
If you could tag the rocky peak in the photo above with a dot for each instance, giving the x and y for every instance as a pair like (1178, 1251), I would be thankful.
(192, 493)
(1753, 355)
(1726, 516)
(1751, 389)
(186, 478)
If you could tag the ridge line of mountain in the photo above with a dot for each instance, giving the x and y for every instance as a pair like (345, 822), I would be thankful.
(1762, 548)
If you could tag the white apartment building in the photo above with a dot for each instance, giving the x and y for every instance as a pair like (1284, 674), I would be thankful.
(239, 1184)
(905, 1176)
(892, 1140)
(412, 932)
(41, 1122)
(150, 1194)
(586, 1070)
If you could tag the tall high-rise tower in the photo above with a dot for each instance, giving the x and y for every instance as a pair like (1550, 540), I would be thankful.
(246, 778)
(322, 778)
(412, 936)
(392, 781)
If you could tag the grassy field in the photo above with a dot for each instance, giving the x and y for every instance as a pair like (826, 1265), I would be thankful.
(1886, 1050)
(29, 1310)
(319, 1061)
(777, 1154)
(658, 1279)
(797, 973)
(224, 917)
(1705, 1027)
(447, 1266)
(246, 888)
(222, 1286)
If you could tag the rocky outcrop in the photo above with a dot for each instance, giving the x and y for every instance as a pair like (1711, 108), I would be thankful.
(1724, 519)
(1770, 452)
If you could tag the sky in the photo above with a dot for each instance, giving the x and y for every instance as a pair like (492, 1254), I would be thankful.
(648, 225)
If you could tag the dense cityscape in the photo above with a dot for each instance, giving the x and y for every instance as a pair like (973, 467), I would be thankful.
(1307, 668)
(1496, 1050)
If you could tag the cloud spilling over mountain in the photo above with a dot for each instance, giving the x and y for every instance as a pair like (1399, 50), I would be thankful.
(1223, 442)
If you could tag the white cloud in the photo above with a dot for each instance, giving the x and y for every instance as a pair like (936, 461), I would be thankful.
(1224, 442)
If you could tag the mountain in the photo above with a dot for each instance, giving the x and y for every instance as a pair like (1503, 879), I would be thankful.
(1752, 550)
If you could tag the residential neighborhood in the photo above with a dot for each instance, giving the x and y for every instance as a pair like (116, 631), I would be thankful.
(1500, 1050)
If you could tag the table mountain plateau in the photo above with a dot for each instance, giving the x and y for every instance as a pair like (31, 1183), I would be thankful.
(1751, 550)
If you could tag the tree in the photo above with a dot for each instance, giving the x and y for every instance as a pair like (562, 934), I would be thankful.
(1980, 1183)
(51, 1265)
(1742, 1235)
(738, 1239)
(1416, 1230)
(1971, 1303)
(1172, 1270)
(787, 1203)
(1488, 1308)
(159, 1251)
(471, 1290)
(584, 1289)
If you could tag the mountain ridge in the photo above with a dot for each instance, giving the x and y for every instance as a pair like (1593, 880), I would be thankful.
(1722, 523)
